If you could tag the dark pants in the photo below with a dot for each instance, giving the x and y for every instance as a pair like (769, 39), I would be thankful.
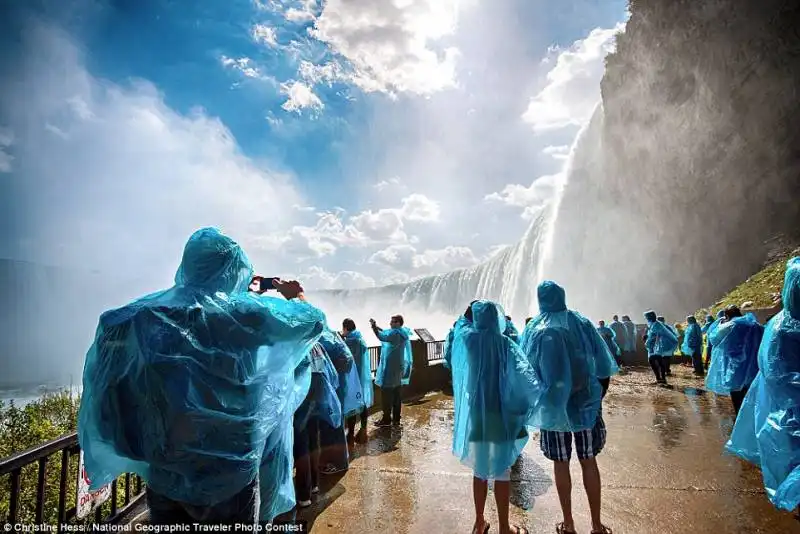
(659, 367)
(390, 399)
(708, 352)
(333, 453)
(737, 398)
(667, 365)
(697, 361)
(306, 460)
(242, 508)
(351, 422)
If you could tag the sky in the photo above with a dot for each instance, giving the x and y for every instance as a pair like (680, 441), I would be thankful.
(349, 143)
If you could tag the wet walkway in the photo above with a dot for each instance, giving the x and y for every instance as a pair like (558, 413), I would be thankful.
(663, 472)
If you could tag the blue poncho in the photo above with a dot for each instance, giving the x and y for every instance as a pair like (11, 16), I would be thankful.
(275, 475)
(569, 358)
(734, 361)
(707, 325)
(610, 339)
(661, 340)
(394, 369)
(358, 348)
(511, 331)
(767, 431)
(322, 401)
(349, 388)
(448, 343)
(494, 390)
(692, 337)
(630, 338)
(620, 335)
(185, 386)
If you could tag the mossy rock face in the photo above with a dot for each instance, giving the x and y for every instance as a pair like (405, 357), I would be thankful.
(763, 289)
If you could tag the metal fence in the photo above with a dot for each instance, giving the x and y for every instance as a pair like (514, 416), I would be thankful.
(59, 456)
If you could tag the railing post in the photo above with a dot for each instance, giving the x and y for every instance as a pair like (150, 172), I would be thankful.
(13, 508)
(40, 490)
(62, 490)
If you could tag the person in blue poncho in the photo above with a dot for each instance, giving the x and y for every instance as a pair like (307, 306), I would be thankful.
(610, 339)
(734, 362)
(573, 367)
(630, 338)
(192, 387)
(358, 348)
(511, 330)
(709, 327)
(693, 344)
(465, 318)
(334, 456)
(658, 340)
(321, 409)
(620, 334)
(668, 345)
(394, 367)
(767, 431)
(494, 392)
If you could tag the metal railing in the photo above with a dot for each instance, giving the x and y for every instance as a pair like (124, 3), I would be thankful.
(61, 454)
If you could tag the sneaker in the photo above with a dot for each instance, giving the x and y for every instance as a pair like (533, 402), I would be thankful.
(314, 490)
(383, 423)
(331, 469)
(303, 504)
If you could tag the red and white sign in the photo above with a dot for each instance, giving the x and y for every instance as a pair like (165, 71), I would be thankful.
(87, 500)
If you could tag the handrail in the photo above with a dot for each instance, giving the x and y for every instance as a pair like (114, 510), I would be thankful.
(35, 453)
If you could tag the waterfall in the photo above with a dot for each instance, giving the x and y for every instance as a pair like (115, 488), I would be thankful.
(510, 277)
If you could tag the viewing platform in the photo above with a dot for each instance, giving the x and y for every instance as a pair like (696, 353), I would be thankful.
(663, 469)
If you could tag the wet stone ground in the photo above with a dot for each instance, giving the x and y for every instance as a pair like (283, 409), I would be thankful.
(663, 471)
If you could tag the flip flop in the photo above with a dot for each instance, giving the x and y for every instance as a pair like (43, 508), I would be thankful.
(520, 530)
(485, 529)
(605, 530)
(561, 529)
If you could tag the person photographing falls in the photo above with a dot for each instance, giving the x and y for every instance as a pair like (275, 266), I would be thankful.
(193, 387)
(394, 367)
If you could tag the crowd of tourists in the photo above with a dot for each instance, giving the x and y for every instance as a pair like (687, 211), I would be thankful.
(231, 402)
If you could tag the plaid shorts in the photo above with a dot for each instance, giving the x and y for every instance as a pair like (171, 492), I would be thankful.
(557, 446)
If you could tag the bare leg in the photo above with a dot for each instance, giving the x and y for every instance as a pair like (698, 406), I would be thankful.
(502, 496)
(591, 482)
(480, 488)
(564, 488)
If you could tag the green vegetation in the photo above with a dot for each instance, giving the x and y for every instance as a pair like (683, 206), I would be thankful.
(52, 416)
(762, 289)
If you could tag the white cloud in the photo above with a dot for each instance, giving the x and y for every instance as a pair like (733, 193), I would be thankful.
(303, 13)
(6, 141)
(419, 208)
(318, 278)
(300, 96)
(133, 177)
(557, 152)
(573, 84)
(264, 34)
(382, 225)
(332, 231)
(531, 198)
(384, 184)
(403, 258)
(389, 44)
(241, 65)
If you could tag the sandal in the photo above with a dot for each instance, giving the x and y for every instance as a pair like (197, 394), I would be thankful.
(519, 530)
(485, 529)
(562, 529)
(605, 530)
